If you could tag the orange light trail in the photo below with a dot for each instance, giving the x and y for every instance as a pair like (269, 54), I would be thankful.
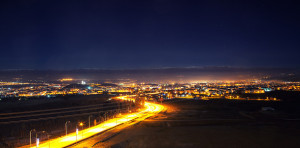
(149, 110)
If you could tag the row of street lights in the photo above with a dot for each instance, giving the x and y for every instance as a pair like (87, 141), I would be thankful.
(37, 140)
(66, 128)
(80, 124)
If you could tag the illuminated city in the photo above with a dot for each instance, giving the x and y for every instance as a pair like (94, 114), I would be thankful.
(149, 74)
(204, 90)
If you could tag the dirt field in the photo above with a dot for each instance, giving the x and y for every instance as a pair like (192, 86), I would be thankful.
(213, 124)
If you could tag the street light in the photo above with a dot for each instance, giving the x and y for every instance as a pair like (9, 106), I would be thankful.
(90, 120)
(76, 132)
(33, 130)
(81, 124)
(37, 142)
(66, 126)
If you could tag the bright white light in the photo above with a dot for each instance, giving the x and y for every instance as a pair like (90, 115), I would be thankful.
(37, 142)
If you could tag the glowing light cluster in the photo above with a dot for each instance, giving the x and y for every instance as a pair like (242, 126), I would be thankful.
(66, 79)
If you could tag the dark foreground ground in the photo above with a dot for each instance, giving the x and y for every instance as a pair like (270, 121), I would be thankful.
(214, 124)
(51, 116)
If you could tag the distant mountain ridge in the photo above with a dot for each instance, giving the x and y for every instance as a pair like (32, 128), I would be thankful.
(157, 74)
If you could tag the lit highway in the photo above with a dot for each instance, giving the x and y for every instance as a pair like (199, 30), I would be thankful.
(150, 109)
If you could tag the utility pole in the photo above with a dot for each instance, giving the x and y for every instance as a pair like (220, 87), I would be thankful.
(90, 120)
(33, 130)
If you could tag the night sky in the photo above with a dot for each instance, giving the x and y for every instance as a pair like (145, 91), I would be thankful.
(41, 34)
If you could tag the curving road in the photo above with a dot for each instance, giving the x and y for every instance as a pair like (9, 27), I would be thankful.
(112, 126)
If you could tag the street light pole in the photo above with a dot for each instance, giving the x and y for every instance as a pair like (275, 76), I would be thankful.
(81, 124)
(82, 131)
(66, 126)
(37, 142)
(76, 132)
(90, 120)
(30, 136)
